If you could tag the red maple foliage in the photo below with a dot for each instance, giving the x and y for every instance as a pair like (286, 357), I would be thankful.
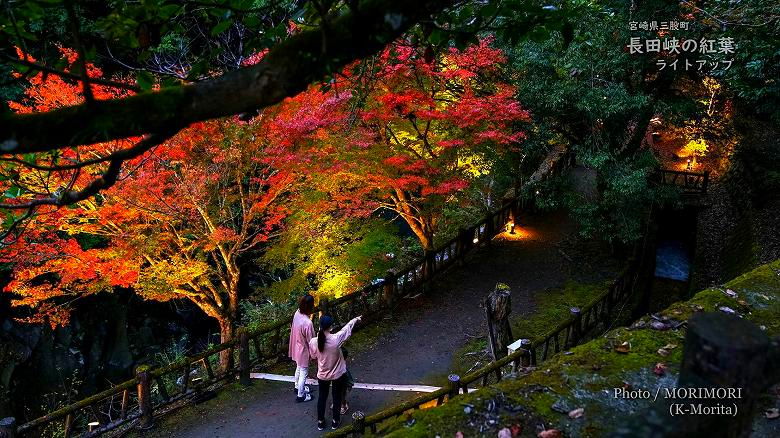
(174, 226)
(406, 132)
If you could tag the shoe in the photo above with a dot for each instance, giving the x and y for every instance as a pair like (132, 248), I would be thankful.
(321, 425)
(306, 388)
(303, 399)
(344, 408)
(334, 425)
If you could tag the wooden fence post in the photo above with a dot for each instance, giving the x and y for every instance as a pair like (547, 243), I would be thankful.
(389, 288)
(461, 246)
(123, 404)
(146, 420)
(428, 270)
(68, 425)
(498, 305)
(489, 229)
(525, 357)
(454, 382)
(243, 357)
(8, 427)
(576, 327)
(359, 422)
(526, 360)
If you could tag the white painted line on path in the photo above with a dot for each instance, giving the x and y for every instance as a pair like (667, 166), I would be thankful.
(368, 386)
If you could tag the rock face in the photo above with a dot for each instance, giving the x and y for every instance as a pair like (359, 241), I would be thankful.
(16, 347)
(53, 364)
(614, 386)
(43, 367)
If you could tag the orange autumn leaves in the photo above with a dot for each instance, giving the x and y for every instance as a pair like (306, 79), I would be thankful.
(408, 132)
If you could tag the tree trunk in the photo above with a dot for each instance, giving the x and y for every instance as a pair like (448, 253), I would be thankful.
(424, 234)
(498, 306)
(227, 325)
(227, 328)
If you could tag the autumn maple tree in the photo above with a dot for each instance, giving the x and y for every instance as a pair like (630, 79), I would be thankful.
(176, 225)
(408, 131)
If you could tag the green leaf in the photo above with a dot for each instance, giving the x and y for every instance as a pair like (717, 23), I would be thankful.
(145, 80)
(169, 11)
(13, 192)
(168, 82)
(221, 27)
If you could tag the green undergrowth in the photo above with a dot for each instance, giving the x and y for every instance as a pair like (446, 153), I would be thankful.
(551, 307)
(586, 377)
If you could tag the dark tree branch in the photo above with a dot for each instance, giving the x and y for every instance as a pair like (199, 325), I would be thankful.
(73, 21)
(285, 71)
(75, 165)
(104, 181)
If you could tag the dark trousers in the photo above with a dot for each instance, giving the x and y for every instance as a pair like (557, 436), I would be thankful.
(322, 397)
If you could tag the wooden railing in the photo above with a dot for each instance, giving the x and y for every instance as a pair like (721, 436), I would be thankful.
(597, 314)
(152, 391)
(694, 183)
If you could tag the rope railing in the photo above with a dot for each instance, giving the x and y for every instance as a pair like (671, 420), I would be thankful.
(152, 391)
(567, 334)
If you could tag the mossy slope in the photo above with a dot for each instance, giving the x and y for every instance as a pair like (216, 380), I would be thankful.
(586, 377)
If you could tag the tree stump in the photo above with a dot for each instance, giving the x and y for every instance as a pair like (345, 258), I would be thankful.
(498, 306)
(724, 351)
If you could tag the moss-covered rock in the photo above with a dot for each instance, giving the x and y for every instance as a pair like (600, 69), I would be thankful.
(589, 375)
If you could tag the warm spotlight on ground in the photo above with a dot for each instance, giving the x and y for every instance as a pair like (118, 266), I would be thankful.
(516, 233)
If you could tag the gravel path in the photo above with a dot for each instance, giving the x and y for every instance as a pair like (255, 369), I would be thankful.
(417, 344)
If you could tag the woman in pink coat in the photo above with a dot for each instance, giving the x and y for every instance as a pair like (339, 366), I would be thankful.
(301, 332)
(331, 366)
